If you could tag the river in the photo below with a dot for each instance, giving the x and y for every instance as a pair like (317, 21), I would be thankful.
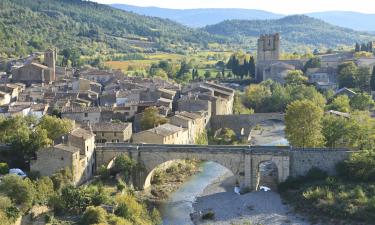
(176, 211)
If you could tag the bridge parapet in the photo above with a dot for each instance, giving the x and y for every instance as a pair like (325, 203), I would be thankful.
(243, 160)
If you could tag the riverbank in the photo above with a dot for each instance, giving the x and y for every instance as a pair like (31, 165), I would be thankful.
(260, 207)
(167, 180)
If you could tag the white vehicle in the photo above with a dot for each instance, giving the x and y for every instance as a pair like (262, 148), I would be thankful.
(17, 172)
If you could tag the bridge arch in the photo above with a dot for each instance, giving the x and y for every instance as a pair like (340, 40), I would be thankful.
(267, 175)
(242, 124)
(234, 164)
(148, 180)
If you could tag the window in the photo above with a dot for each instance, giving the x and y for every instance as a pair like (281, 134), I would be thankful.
(86, 114)
(102, 133)
(115, 134)
(87, 148)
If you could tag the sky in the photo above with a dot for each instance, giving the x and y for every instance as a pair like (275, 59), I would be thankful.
(276, 6)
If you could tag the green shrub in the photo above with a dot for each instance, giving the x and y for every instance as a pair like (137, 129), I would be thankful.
(33, 175)
(94, 215)
(155, 217)
(4, 168)
(5, 202)
(104, 173)
(316, 174)
(44, 190)
(208, 216)
(120, 187)
(291, 183)
(12, 212)
(21, 191)
(360, 167)
(62, 178)
(122, 210)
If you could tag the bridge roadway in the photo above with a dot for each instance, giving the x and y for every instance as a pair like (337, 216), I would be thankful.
(242, 161)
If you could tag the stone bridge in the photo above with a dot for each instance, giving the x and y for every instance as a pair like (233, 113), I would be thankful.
(242, 124)
(242, 161)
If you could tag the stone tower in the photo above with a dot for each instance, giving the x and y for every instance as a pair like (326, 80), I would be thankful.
(269, 47)
(50, 61)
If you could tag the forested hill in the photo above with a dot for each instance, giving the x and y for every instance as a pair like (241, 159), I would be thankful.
(200, 17)
(29, 25)
(295, 31)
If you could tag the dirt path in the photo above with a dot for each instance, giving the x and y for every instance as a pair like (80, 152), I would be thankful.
(260, 207)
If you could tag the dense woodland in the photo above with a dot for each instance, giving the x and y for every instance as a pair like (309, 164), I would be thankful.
(295, 31)
(27, 26)
(91, 28)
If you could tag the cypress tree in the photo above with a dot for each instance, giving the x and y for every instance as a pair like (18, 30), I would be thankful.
(372, 81)
(364, 47)
(357, 47)
(252, 67)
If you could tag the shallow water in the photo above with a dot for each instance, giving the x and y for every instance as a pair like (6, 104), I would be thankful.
(176, 211)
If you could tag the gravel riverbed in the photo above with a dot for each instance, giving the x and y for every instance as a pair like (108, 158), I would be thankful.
(253, 208)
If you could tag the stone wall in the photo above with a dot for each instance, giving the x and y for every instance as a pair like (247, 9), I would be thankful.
(302, 160)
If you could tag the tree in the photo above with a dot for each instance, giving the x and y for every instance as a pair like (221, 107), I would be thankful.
(362, 130)
(362, 78)
(301, 92)
(184, 69)
(17, 132)
(125, 165)
(229, 135)
(295, 77)
(151, 118)
(252, 67)
(207, 74)
(238, 107)
(21, 191)
(364, 47)
(357, 47)
(341, 103)
(362, 101)
(255, 94)
(55, 127)
(303, 124)
(44, 190)
(346, 74)
(202, 138)
(372, 80)
(195, 74)
(335, 129)
(312, 63)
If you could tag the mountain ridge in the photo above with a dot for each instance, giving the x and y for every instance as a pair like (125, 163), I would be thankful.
(197, 17)
(296, 30)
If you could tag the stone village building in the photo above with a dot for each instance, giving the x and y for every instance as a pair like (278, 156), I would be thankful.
(112, 132)
(163, 134)
(37, 73)
(76, 153)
